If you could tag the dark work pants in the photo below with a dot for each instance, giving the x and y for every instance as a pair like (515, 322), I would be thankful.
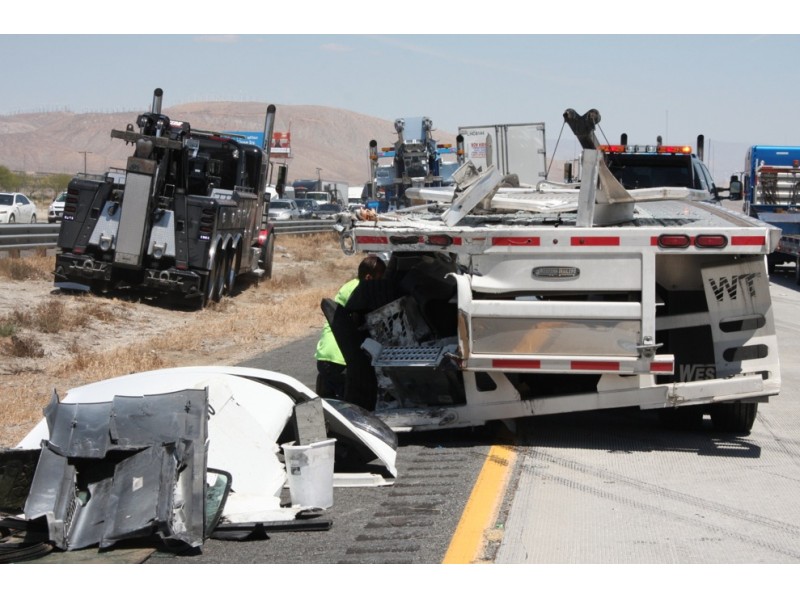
(330, 380)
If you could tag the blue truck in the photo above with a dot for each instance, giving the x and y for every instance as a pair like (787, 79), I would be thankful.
(771, 189)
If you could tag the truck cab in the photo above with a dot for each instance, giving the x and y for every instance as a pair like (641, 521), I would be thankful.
(657, 165)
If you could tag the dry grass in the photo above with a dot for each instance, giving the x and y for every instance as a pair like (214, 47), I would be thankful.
(101, 338)
(30, 268)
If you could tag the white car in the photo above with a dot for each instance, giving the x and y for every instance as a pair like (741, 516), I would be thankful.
(16, 208)
(56, 210)
(283, 210)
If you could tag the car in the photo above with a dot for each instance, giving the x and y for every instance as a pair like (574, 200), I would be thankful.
(16, 208)
(307, 207)
(326, 211)
(56, 210)
(283, 210)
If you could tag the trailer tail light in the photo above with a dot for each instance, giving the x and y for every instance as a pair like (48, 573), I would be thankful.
(263, 234)
(674, 241)
(440, 240)
(711, 241)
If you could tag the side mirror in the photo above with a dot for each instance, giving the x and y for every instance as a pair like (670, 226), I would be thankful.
(218, 486)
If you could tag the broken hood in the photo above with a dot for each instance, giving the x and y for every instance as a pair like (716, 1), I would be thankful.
(211, 418)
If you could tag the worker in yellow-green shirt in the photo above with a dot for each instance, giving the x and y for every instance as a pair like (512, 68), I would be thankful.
(331, 364)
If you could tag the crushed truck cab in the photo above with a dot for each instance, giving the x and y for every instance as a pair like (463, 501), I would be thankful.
(511, 302)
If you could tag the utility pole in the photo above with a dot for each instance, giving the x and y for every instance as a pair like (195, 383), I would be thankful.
(84, 152)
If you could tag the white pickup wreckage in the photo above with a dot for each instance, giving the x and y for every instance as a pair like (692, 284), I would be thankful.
(502, 302)
(181, 453)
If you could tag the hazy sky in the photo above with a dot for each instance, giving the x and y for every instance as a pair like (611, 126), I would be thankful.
(739, 88)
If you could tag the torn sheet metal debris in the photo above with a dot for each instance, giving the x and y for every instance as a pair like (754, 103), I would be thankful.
(176, 453)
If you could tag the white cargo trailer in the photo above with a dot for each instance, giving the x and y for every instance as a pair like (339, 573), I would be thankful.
(514, 148)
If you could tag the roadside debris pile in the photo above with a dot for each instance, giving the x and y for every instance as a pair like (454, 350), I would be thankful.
(176, 456)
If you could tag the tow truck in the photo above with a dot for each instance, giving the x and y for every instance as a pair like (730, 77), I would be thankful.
(639, 166)
(416, 161)
(187, 216)
(509, 302)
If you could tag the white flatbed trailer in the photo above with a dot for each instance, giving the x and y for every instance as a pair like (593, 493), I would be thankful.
(570, 300)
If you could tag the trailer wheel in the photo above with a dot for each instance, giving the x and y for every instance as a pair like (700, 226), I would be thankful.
(229, 272)
(267, 254)
(210, 293)
(734, 417)
(219, 277)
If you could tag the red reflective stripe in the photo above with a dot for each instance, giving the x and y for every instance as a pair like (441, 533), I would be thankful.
(594, 241)
(748, 240)
(372, 239)
(594, 365)
(666, 367)
(577, 365)
(506, 363)
(515, 241)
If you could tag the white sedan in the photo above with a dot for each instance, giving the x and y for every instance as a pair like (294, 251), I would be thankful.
(16, 208)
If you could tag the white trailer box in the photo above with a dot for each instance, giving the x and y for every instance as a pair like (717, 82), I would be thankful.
(517, 148)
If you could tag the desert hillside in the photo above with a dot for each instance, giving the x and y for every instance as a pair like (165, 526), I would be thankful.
(333, 140)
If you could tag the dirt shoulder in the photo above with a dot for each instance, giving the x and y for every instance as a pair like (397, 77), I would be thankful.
(54, 340)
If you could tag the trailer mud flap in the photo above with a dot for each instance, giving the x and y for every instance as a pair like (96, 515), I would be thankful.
(741, 319)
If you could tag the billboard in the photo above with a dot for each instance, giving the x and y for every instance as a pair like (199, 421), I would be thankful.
(281, 141)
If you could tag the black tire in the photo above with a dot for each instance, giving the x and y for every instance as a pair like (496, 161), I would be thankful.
(230, 272)
(209, 293)
(33, 219)
(219, 269)
(267, 255)
(11, 219)
(734, 417)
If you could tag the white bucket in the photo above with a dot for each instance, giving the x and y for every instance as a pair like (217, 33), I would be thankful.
(310, 473)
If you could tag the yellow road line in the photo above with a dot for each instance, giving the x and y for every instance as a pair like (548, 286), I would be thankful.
(482, 506)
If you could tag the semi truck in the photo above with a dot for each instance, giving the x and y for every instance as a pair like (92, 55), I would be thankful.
(322, 191)
(416, 160)
(771, 187)
(508, 302)
(185, 218)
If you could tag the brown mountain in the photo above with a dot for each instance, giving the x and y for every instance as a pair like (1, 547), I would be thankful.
(333, 140)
